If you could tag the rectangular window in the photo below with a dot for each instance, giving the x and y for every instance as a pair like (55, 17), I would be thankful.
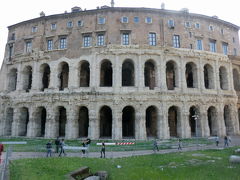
(80, 23)
(222, 31)
(152, 39)
(199, 44)
(176, 41)
(136, 19)
(69, 24)
(235, 52)
(233, 39)
(171, 23)
(125, 38)
(187, 24)
(63, 43)
(225, 48)
(100, 40)
(101, 20)
(34, 29)
(53, 26)
(212, 44)
(49, 44)
(124, 19)
(197, 26)
(10, 51)
(87, 41)
(28, 46)
(148, 20)
(210, 28)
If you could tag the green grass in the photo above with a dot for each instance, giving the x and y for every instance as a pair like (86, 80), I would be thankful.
(38, 144)
(197, 165)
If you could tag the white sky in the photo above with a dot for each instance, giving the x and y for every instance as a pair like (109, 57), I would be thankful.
(15, 11)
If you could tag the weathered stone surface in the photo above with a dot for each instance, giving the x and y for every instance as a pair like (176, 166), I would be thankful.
(234, 159)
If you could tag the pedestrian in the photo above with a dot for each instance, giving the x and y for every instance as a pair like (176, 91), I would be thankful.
(217, 140)
(155, 146)
(1, 151)
(83, 145)
(225, 141)
(179, 144)
(57, 144)
(88, 142)
(103, 150)
(62, 144)
(49, 149)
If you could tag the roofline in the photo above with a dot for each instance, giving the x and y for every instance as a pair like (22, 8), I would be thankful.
(127, 9)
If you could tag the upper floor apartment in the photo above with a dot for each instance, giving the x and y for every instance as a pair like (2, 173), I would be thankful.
(76, 33)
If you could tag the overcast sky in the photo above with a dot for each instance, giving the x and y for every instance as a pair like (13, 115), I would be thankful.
(15, 11)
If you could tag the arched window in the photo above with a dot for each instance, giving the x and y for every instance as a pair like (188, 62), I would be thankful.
(12, 79)
(45, 74)
(223, 78)
(149, 74)
(128, 122)
(191, 75)
(171, 72)
(27, 78)
(105, 122)
(62, 120)
(173, 121)
(194, 121)
(106, 74)
(23, 121)
(212, 121)
(228, 119)
(83, 121)
(63, 77)
(40, 117)
(208, 77)
(128, 73)
(84, 74)
(151, 121)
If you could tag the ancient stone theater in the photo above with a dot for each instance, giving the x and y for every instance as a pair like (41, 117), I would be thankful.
(121, 73)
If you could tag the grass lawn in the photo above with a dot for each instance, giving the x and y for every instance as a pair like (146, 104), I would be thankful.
(197, 165)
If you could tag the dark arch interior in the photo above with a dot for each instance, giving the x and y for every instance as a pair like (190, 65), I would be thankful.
(128, 120)
(83, 122)
(84, 74)
(151, 122)
(105, 122)
(106, 74)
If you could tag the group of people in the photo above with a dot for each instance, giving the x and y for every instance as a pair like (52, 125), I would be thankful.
(227, 140)
(59, 144)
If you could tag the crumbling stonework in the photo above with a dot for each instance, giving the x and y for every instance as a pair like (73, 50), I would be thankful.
(120, 91)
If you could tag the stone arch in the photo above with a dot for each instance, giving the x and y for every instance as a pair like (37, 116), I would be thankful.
(40, 117)
(228, 120)
(151, 121)
(212, 121)
(62, 120)
(128, 122)
(105, 114)
(223, 78)
(128, 76)
(150, 74)
(171, 75)
(63, 75)
(8, 122)
(236, 79)
(23, 121)
(106, 73)
(191, 75)
(83, 121)
(27, 78)
(45, 76)
(84, 74)
(12, 79)
(208, 76)
(173, 121)
(193, 120)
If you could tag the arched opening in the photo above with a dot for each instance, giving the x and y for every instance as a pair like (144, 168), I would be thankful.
(128, 73)
(8, 122)
(106, 74)
(40, 117)
(27, 78)
(191, 75)
(151, 121)
(149, 74)
(236, 80)
(227, 119)
(212, 121)
(62, 120)
(171, 75)
(83, 122)
(84, 74)
(193, 118)
(45, 71)
(12, 80)
(23, 121)
(128, 122)
(173, 121)
(105, 122)
(64, 72)
(223, 78)
(208, 77)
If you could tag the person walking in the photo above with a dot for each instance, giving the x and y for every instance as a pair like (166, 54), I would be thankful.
(83, 145)
(1, 151)
(217, 140)
(103, 150)
(57, 144)
(225, 141)
(155, 146)
(179, 144)
(62, 144)
(49, 149)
